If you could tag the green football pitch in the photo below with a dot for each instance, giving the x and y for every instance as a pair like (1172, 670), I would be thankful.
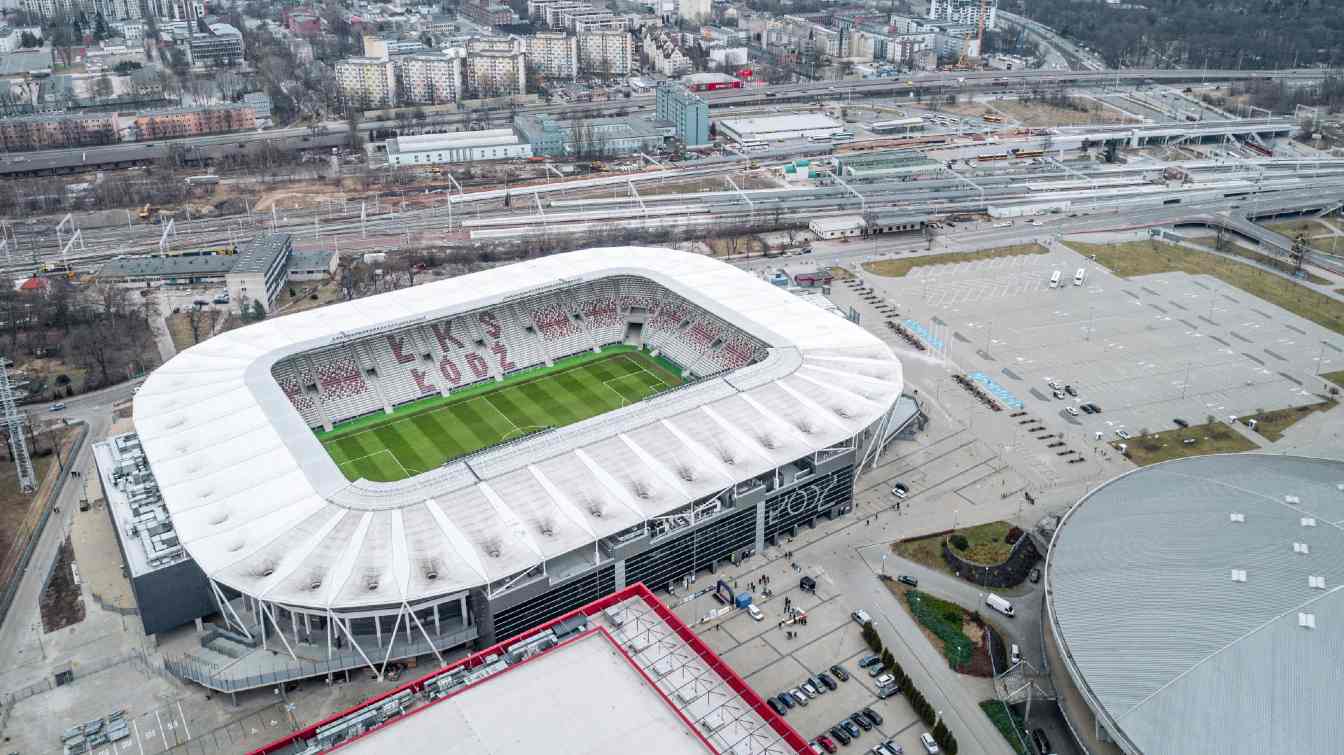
(422, 435)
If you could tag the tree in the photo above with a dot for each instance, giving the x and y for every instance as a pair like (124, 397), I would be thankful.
(258, 311)
(102, 87)
(100, 30)
(196, 320)
(28, 41)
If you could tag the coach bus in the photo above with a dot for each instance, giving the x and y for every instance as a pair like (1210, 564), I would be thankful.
(1026, 153)
(842, 136)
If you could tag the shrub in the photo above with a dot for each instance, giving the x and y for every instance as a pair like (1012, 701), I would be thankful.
(871, 637)
(1014, 534)
(888, 660)
(959, 542)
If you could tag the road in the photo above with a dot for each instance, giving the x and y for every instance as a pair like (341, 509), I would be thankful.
(18, 634)
(335, 133)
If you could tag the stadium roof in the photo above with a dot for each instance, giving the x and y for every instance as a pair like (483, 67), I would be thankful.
(620, 670)
(1200, 604)
(261, 506)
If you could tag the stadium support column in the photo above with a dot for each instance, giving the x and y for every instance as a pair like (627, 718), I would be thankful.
(760, 526)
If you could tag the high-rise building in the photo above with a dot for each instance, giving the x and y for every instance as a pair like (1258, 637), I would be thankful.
(607, 53)
(964, 11)
(686, 111)
(496, 67)
(366, 83)
(223, 46)
(553, 54)
(430, 78)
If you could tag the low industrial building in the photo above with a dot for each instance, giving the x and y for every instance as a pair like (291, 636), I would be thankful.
(879, 223)
(312, 266)
(844, 226)
(596, 137)
(257, 271)
(461, 147)
(170, 589)
(885, 164)
(776, 128)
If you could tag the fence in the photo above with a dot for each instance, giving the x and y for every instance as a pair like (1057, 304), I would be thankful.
(12, 589)
(79, 672)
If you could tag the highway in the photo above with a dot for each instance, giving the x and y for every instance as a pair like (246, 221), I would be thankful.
(335, 133)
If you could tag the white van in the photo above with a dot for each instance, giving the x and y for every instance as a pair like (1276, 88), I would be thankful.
(1054, 280)
(999, 604)
(1016, 656)
(1079, 276)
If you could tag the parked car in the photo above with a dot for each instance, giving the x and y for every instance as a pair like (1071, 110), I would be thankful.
(890, 690)
(872, 716)
(815, 748)
(1059, 394)
(889, 748)
(826, 743)
(1181, 423)
(840, 672)
(1095, 409)
(884, 680)
(1122, 434)
(860, 617)
(56, 407)
(840, 735)
(827, 681)
(900, 490)
(1072, 411)
(871, 660)
(786, 698)
(798, 697)
(1071, 391)
(818, 684)
(930, 746)
(875, 670)
(776, 706)
(861, 721)
(1041, 741)
(1034, 575)
(755, 612)
(808, 689)
(1087, 408)
(851, 728)
(906, 579)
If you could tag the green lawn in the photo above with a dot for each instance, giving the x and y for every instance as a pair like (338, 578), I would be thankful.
(1213, 438)
(1335, 377)
(985, 546)
(423, 435)
(1274, 424)
(899, 267)
(1135, 258)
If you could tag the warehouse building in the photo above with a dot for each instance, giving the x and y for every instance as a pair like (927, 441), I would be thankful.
(462, 147)
(777, 128)
(596, 137)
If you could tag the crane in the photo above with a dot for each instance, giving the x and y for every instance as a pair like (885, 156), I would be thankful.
(966, 57)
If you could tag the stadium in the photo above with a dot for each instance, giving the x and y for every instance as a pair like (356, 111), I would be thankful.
(1196, 606)
(457, 462)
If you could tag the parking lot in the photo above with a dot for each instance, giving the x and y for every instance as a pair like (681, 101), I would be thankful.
(773, 663)
(1146, 351)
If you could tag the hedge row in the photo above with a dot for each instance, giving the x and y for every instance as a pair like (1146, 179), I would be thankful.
(921, 706)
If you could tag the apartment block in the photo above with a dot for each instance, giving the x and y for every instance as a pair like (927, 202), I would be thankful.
(112, 10)
(964, 11)
(663, 52)
(495, 67)
(554, 54)
(22, 133)
(366, 83)
(607, 53)
(223, 46)
(193, 122)
(487, 13)
(429, 79)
